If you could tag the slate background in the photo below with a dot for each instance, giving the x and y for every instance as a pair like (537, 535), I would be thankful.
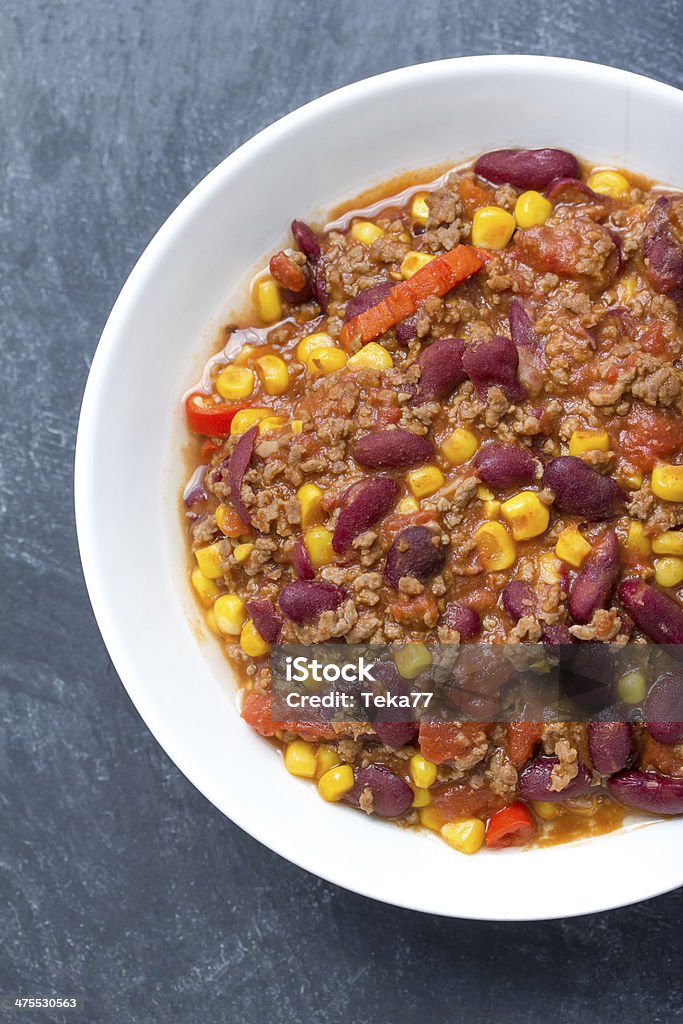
(118, 881)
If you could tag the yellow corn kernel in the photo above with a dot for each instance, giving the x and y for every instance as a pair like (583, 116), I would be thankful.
(206, 588)
(274, 374)
(366, 232)
(419, 210)
(246, 418)
(412, 262)
(421, 797)
(495, 546)
(572, 547)
(209, 560)
(326, 759)
(297, 426)
(464, 836)
(412, 659)
(312, 342)
(325, 360)
(667, 481)
(459, 446)
(484, 493)
(545, 809)
(270, 423)
(668, 543)
(583, 807)
(430, 818)
(492, 508)
(210, 620)
(583, 441)
(425, 481)
(244, 355)
(526, 515)
(231, 614)
(336, 782)
(242, 552)
(235, 382)
(669, 571)
(300, 759)
(609, 183)
(492, 227)
(318, 543)
(632, 481)
(225, 519)
(251, 641)
(549, 568)
(268, 300)
(638, 543)
(373, 357)
(531, 209)
(422, 771)
(408, 505)
(310, 501)
(632, 687)
(628, 286)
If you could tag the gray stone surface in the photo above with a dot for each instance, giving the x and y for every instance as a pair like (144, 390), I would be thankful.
(118, 881)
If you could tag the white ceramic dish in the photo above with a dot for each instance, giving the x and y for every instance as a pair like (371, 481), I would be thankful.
(129, 470)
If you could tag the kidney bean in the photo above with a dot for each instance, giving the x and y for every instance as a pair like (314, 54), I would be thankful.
(521, 329)
(319, 285)
(301, 561)
(609, 745)
(588, 674)
(664, 254)
(392, 449)
(648, 791)
(560, 185)
(414, 552)
(367, 502)
(657, 614)
(306, 240)
(558, 634)
(302, 601)
(396, 734)
(441, 370)
(237, 467)
(494, 363)
(579, 490)
(391, 795)
(504, 465)
(595, 582)
(265, 618)
(518, 599)
(527, 168)
(462, 618)
(406, 330)
(535, 778)
(366, 299)
(663, 707)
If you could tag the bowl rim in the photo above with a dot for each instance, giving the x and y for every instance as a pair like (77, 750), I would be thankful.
(134, 286)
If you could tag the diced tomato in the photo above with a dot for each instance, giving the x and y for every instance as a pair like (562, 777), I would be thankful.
(208, 449)
(473, 195)
(522, 737)
(453, 800)
(420, 610)
(444, 741)
(207, 416)
(510, 826)
(650, 434)
(653, 340)
(256, 712)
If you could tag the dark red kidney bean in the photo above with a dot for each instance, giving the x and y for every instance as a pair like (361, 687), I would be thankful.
(609, 745)
(368, 501)
(301, 562)
(648, 791)
(415, 552)
(504, 465)
(518, 599)
(396, 734)
(558, 634)
(237, 467)
(406, 330)
(462, 618)
(366, 299)
(392, 449)
(663, 252)
(303, 600)
(306, 240)
(266, 619)
(319, 285)
(527, 168)
(535, 778)
(663, 707)
(441, 370)
(521, 329)
(561, 185)
(391, 795)
(579, 490)
(595, 581)
(494, 363)
(588, 675)
(657, 614)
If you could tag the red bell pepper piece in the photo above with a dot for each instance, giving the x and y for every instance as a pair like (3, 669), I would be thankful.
(511, 826)
(207, 416)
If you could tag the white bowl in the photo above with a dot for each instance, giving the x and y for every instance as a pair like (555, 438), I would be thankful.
(130, 466)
